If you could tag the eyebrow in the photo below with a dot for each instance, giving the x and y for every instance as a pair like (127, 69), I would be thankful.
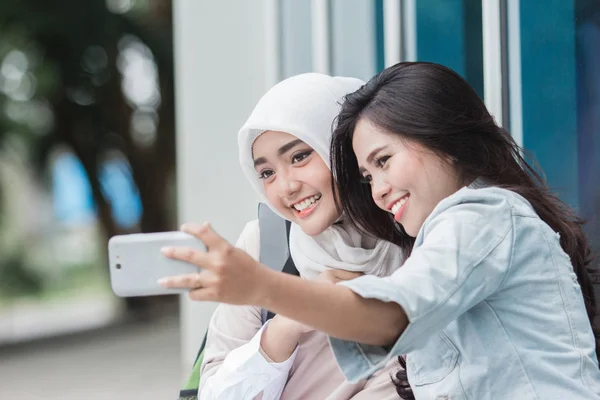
(370, 157)
(281, 151)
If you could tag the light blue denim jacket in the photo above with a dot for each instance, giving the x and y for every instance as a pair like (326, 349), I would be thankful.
(495, 309)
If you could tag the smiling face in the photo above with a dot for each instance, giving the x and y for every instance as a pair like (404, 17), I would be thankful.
(407, 180)
(296, 180)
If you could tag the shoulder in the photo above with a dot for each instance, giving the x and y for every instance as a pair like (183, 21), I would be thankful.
(232, 318)
(475, 215)
(474, 204)
(250, 230)
(249, 239)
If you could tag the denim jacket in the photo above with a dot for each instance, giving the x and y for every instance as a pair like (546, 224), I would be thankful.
(494, 306)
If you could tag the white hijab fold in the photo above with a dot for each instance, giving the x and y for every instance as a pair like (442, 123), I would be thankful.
(306, 106)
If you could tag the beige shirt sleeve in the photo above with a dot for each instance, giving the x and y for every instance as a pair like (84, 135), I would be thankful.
(232, 326)
(229, 357)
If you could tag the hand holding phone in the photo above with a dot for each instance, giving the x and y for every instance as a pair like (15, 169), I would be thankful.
(230, 275)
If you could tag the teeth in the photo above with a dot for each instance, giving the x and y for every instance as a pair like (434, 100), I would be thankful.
(398, 205)
(307, 202)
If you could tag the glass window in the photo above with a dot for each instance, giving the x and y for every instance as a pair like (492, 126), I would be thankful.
(296, 37)
(354, 37)
(449, 32)
(560, 85)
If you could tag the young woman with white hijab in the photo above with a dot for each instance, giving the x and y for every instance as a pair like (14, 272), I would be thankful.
(284, 153)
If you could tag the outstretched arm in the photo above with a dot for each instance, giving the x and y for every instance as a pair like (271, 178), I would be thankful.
(333, 309)
(230, 275)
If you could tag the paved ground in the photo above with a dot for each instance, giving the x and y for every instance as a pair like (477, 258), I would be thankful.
(138, 360)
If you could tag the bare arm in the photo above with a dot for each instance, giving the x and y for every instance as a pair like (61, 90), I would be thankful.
(335, 310)
(230, 275)
(280, 338)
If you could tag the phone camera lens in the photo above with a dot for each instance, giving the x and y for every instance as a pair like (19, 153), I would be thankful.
(118, 266)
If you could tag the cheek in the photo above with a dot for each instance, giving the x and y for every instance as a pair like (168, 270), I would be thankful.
(405, 171)
(320, 179)
(317, 175)
(274, 199)
(324, 186)
(397, 175)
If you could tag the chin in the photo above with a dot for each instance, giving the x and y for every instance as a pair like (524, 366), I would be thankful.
(312, 229)
(318, 222)
(316, 226)
(410, 231)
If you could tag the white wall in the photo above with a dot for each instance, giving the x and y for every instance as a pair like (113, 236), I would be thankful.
(221, 66)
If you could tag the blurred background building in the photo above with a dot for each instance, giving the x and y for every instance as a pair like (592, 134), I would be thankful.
(121, 116)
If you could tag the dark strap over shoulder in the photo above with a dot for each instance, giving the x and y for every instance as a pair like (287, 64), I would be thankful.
(274, 249)
(289, 267)
(274, 245)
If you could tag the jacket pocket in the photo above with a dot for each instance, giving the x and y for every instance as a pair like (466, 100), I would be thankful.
(433, 370)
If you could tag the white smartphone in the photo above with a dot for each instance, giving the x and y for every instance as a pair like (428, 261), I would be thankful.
(136, 262)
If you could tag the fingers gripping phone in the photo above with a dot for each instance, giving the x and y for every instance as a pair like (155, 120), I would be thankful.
(136, 262)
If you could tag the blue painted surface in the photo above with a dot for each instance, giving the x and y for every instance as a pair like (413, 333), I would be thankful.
(72, 195)
(549, 92)
(120, 190)
(449, 32)
(71, 192)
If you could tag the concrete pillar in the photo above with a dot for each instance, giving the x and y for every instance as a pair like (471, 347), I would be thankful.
(223, 63)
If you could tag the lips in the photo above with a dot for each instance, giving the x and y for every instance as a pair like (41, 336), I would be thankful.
(306, 206)
(397, 208)
(306, 202)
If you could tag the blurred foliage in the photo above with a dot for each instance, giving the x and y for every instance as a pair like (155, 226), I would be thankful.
(63, 84)
(72, 51)
(17, 279)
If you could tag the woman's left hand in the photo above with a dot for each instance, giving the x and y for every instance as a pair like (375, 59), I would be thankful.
(226, 274)
(338, 275)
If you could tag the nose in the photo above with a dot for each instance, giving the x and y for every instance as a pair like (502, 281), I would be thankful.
(380, 189)
(287, 185)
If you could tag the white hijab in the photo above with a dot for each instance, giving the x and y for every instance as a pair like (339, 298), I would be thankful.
(306, 106)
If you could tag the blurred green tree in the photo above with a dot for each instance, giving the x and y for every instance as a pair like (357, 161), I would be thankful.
(73, 91)
(94, 77)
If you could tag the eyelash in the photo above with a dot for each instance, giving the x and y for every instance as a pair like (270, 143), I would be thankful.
(262, 174)
(380, 161)
(296, 158)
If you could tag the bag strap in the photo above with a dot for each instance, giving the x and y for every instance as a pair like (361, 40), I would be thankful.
(274, 250)
(274, 246)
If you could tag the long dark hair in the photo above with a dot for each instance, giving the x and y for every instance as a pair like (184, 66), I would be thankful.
(434, 106)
